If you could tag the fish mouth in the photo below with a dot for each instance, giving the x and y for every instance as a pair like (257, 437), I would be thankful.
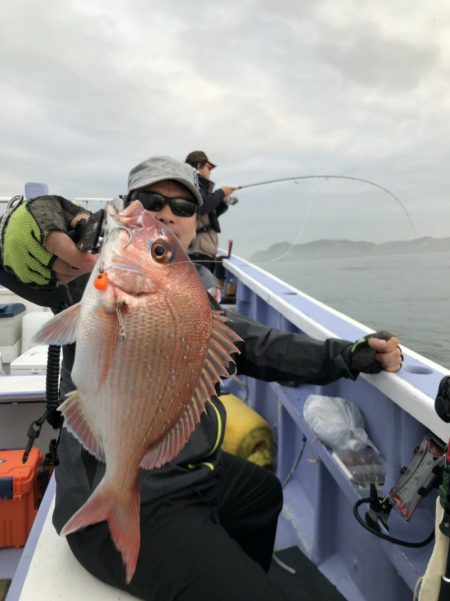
(126, 266)
(140, 287)
(137, 293)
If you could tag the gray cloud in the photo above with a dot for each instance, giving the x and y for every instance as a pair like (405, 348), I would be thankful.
(368, 57)
(268, 89)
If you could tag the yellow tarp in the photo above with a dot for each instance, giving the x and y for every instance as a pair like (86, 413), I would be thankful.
(247, 434)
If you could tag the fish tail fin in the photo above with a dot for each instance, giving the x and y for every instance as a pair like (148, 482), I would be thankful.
(124, 525)
(123, 516)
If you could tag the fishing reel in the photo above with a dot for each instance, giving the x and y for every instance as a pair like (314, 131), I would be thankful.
(231, 200)
(428, 470)
(88, 234)
(417, 480)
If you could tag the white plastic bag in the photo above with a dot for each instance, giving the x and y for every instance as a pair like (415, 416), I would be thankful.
(336, 422)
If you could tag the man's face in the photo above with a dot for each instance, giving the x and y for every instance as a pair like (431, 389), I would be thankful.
(205, 171)
(182, 227)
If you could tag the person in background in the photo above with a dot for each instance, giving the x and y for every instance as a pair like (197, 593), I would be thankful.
(208, 519)
(203, 248)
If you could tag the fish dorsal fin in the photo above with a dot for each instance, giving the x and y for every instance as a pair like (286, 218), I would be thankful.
(61, 329)
(218, 357)
(78, 422)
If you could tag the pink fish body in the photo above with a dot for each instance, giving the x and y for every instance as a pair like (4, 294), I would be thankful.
(149, 352)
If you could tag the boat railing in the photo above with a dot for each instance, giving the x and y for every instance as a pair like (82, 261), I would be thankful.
(398, 410)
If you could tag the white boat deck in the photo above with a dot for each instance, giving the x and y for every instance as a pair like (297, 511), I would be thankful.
(48, 553)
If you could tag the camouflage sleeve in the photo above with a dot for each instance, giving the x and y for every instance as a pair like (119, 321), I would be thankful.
(53, 213)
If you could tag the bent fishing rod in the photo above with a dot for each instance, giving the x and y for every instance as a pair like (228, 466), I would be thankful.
(347, 177)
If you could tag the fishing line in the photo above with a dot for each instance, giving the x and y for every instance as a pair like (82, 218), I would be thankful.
(312, 195)
(347, 177)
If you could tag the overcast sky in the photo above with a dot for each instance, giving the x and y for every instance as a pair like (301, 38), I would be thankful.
(268, 89)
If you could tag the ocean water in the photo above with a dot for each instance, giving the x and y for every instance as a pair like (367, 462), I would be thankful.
(406, 294)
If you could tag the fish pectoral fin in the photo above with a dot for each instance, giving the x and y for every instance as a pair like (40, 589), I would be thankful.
(78, 423)
(174, 440)
(61, 329)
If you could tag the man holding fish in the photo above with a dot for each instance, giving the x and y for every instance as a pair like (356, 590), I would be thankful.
(147, 499)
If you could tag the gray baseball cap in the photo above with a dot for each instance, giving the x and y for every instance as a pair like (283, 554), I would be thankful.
(159, 168)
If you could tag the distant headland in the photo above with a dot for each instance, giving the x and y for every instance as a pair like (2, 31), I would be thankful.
(322, 249)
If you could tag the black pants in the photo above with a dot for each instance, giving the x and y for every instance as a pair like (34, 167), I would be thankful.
(211, 542)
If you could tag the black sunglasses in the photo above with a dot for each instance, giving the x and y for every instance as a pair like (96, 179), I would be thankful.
(154, 201)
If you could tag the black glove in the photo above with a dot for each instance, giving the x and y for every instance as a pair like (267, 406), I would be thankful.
(362, 356)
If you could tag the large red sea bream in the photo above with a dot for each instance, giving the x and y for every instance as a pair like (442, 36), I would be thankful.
(149, 351)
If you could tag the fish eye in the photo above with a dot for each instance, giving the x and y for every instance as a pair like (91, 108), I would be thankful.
(161, 251)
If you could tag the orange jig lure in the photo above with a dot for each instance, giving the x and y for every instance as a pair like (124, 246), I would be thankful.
(101, 281)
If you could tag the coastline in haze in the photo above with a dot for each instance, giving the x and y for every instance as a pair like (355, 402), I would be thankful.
(319, 249)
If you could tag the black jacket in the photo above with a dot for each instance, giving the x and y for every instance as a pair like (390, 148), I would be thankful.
(213, 202)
